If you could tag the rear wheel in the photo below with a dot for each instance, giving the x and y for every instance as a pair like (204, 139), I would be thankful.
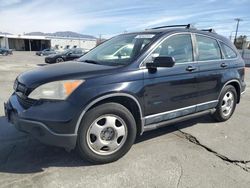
(106, 133)
(226, 105)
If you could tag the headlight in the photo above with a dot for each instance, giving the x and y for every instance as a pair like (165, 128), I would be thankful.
(55, 90)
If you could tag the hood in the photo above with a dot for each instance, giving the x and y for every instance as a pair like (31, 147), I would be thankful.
(62, 71)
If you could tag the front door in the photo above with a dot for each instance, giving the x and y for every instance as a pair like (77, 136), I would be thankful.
(171, 92)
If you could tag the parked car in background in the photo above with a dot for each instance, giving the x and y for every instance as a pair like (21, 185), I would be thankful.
(67, 55)
(5, 51)
(45, 52)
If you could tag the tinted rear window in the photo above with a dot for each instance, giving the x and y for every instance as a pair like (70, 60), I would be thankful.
(228, 52)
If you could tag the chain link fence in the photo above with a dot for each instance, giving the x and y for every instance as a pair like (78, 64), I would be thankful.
(243, 46)
(245, 54)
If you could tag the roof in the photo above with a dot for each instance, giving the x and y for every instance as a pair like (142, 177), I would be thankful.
(66, 34)
(33, 37)
(23, 37)
(169, 30)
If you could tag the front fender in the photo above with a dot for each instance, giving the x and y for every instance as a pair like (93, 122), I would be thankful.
(85, 98)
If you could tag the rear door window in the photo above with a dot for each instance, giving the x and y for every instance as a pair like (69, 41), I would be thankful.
(208, 48)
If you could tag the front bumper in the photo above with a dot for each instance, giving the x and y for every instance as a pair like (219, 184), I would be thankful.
(49, 60)
(37, 129)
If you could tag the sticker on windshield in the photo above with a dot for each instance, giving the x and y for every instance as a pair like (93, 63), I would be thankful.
(148, 36)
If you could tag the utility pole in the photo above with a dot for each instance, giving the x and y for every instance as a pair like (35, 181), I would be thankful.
(231, 36)
(5, 42)
(237, 27)
(99, 40)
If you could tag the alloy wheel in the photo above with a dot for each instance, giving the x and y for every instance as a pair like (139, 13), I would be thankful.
(227, 103)
(107, 134)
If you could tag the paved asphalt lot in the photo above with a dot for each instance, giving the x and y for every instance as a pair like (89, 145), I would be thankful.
(195, 153)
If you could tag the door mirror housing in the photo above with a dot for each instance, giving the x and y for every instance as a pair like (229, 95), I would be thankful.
(161, 61)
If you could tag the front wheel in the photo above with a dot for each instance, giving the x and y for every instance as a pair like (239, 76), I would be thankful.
(58, 60)
(226, 105)
(106, 133)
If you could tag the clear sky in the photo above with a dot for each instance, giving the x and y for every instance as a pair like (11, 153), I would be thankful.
(110, 17)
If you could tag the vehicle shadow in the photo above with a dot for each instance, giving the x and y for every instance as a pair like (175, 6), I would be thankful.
(42, 64)
(21, 155)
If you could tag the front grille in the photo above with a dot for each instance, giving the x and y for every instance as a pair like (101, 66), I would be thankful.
(25, 102)
(18, 87)
(21, 91)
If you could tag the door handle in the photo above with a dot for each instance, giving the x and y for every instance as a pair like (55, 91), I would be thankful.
(190, 68)
(223, 65)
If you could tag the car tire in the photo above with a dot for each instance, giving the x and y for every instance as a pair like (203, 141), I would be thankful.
(5, 53)
(226, 105)
(58, 60)
(106, 133)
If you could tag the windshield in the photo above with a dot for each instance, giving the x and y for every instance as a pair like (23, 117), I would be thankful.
(120, 50)
(66, 51)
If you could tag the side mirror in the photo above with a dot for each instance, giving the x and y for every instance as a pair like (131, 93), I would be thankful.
(161, 61)
(69, 53)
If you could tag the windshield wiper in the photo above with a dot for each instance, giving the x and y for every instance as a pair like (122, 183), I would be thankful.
(90, 61)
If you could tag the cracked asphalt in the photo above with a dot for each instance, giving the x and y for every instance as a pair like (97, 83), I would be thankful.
(194, 153)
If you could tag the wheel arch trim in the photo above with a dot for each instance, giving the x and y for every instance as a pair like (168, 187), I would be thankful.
(227, 83)
(92, 103)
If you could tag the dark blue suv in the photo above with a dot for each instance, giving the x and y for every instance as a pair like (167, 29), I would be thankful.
(130, 84)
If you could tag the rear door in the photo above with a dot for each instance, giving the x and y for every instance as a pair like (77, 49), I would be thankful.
(171, 92)
(211, 69)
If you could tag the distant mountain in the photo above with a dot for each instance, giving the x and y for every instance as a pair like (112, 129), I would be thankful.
(62, 34)
(4, 33)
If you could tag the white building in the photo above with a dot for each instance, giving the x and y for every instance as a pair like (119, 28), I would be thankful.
(36, 43)
(61, 43)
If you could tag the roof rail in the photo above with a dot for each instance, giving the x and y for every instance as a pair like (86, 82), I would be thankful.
(209, 30)
(187, 26)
